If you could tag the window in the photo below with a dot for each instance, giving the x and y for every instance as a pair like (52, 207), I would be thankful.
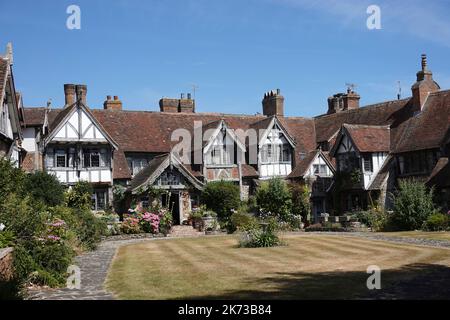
(320, 169)
(170, 179)
(275, 153)
(99, 200)
(367, 163)
(92, 159)
(61, 158)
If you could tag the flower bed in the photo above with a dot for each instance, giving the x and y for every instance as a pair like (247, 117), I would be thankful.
(153, 221)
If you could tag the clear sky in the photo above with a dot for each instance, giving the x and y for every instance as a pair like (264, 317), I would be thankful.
(233, 50)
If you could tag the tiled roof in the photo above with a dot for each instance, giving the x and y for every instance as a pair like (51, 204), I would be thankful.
(429, 128)
(145, 173)
(369, 138)
(3, 76)
(303, 165)
(385, 113)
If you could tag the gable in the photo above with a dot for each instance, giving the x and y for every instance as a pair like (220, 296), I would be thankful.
(78, 126)
(345, 145)
(275, 134)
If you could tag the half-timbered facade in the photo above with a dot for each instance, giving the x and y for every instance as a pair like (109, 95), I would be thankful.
(10, 112)
(373, 145)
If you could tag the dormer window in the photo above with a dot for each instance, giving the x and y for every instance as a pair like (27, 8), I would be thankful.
(276, 153)
(220, 153)
(367, 163)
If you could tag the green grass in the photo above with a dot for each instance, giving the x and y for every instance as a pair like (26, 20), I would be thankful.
(308, 267)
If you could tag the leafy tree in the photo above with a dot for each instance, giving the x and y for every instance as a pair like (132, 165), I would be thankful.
(273, 198)
(80, 196)
(11, 180)
(301, 204)
(221, 197)
(45, 187)
(413, 204)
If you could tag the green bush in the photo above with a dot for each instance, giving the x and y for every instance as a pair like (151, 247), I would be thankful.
(45, 187)
(221, 197)
(413, 204)
(375, 218)
(11, 180)
(89, 229)
(80, 196)
(21, 218)
(274, 199)
(261, 237)
(53, 257)
(301, 203)
(243, 221)
(436, 222)
(7, 239)
(326, 227)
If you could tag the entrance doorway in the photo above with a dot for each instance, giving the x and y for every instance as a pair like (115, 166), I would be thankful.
(172, 201)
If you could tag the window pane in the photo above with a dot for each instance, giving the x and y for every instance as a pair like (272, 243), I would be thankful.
(87, 159)
(95, 160)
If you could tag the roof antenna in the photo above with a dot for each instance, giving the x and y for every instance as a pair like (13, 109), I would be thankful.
(399, 92)
(350, 87)
(194, 89)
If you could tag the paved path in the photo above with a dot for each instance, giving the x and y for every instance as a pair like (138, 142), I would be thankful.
(94, 267)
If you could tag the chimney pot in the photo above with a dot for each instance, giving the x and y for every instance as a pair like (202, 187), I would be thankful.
(273, 103)
(69, 94)
(81, 91)
(115, 104)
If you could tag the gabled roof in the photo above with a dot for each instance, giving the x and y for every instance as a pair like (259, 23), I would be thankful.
(304, 165)
(429, 128)
(365, 138)
(384, 113)
(64, 116)
(4, 65)
(156, 167)
(216, 126)
(263, 128)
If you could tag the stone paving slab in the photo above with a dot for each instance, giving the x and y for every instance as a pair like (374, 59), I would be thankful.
(94, 267)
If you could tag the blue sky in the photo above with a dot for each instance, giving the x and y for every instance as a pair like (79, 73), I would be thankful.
(234, 50)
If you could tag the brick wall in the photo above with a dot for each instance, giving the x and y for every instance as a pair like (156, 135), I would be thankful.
(6, 266)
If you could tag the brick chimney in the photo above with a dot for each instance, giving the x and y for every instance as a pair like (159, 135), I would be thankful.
(81, 91)
(110, 104)
(273, 103)
(343, 101)
(69, 94)
(182, 105)
(424, 86)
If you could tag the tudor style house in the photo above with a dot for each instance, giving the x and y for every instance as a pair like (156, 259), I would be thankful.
(10, 112)
(352, 156)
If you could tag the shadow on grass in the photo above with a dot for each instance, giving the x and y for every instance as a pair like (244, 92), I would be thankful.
(416, 281)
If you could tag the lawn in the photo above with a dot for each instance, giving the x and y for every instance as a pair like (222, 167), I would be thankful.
(308, 267)
(420, 235)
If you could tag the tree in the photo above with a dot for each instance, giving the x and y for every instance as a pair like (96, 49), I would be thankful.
(301, 204)
(80, 196)
(413, 204)
(221, 197)
(273, 198)
(45, 187)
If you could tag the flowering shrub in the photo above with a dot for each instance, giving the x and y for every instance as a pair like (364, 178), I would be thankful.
(150, 222)
(55, 232)
(159, 220)
(130, 225)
